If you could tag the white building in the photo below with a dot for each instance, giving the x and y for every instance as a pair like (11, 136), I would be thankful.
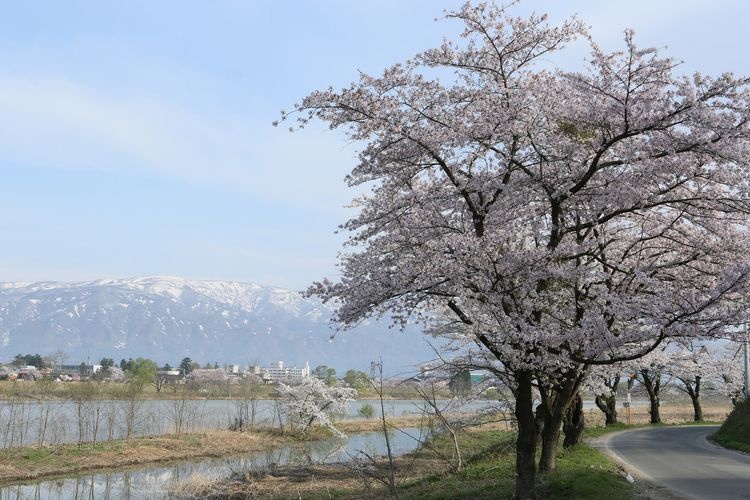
(279, 373)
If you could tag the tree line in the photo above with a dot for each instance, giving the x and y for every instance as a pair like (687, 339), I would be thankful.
(543, 221)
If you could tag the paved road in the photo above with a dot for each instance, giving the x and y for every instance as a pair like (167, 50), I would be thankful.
(681, 459)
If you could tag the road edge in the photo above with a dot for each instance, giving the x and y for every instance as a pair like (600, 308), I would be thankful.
(646, 487)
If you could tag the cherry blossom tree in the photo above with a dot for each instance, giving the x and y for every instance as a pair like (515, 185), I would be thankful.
(554, 220)
(694, 366)
(206, 376)
(731, 374)
(603, 382)
(652, 371)
(312, 400)
(116, 374)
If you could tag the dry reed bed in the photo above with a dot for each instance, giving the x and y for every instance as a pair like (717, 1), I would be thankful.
(20, 464)
(28, 463)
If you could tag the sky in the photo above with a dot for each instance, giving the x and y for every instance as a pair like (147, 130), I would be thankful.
(136, 137)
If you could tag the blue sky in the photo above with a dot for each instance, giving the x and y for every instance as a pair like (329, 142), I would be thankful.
(136, 137)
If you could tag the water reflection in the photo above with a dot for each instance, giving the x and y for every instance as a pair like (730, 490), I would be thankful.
(156, 482)
(34, 423)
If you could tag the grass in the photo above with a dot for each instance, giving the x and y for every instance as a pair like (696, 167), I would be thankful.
(26, 463)
(21, 464)
(582, 473)
(489, 473)
(585, 473)
(735, 432)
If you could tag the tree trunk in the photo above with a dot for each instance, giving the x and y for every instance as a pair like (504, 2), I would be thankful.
(608, 406)
(697, 410)
(652, 388)
(555, 402)
(574, 422)
(527, 437)
(550, 438)
(694, 391)
(655, 416)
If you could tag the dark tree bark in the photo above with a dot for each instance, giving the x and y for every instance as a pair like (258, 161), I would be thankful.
(574, 422)
(550, 438)
(693, 389)
(652, 383)
(555, 401)
(539, 420)
(608, 404)
(527, 437)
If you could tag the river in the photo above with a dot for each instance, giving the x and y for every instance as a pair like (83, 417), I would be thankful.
(34, 423)
(157, 482)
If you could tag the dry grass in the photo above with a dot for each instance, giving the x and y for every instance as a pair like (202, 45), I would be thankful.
(23, 464)
(20, 464)
(670, 414)
(375, 424)
(338, 480)
(196, 486)
(342, 481)
(313, 481)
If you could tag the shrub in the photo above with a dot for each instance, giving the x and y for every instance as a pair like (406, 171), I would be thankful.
(735, 432)
(366, 411)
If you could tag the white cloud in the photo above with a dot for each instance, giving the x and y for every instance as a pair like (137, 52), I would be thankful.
(58, 123)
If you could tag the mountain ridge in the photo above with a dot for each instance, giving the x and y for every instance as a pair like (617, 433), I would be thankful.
(167, 318)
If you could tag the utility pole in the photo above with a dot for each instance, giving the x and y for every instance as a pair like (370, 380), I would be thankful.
(747, 364)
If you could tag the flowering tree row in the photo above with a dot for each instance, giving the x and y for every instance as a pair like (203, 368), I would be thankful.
(690, 367)
(551, 220)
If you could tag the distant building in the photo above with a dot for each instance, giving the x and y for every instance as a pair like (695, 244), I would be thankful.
(279, 373)
(27, 373)
(81, 369)
(232, 369)
(171, 376)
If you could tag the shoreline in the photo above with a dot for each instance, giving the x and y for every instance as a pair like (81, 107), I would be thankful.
(26, 464)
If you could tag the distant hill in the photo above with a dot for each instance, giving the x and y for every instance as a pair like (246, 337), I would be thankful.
(167, 319)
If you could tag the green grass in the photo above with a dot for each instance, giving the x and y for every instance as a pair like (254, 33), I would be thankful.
(489, 473)
(585, 473)
(54, 456)
(582, 473)
(735, 432)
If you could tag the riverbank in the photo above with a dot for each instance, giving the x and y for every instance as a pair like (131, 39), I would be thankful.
(22, 464)
(431, 472)
(73, 391)
(583, 472)
(30, 463)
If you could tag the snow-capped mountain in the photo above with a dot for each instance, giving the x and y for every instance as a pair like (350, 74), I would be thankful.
(167, 319)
